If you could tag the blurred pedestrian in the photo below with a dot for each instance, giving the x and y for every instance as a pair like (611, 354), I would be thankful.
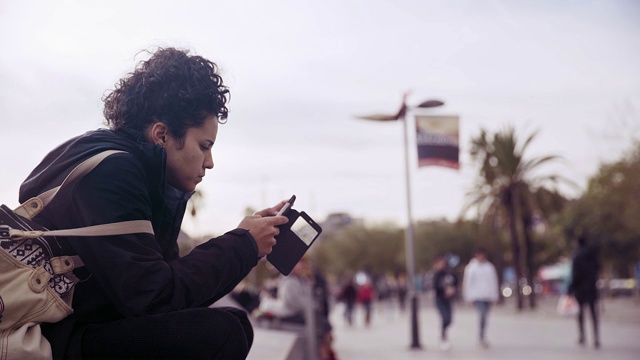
(365, 297)
(480, 287)
(383, 293)
(296, 292)
(402, 291)
(584, 276)
(445, 286)
(246, 296)
(348, 294)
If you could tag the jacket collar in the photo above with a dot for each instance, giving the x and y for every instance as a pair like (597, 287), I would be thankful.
(155, 159)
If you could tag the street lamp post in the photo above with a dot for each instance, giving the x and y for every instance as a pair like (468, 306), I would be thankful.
(409, 240)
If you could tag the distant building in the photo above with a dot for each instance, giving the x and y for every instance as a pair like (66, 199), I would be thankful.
(336, 222)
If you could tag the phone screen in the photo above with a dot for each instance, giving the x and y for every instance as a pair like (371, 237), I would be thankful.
(304, 230)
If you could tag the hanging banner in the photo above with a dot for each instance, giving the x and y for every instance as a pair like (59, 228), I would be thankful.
(437, 140)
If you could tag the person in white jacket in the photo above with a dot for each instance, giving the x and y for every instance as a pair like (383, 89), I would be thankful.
(480, 287)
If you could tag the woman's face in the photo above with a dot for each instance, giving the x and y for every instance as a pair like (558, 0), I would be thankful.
(188, 160)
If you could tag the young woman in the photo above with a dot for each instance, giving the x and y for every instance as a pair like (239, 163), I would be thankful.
(137, 297)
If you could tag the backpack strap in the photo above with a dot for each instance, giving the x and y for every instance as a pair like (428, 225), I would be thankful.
(119, 228)
(32, 207)
(35, 205)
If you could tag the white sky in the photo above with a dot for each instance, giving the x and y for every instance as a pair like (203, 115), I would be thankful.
(300, 70)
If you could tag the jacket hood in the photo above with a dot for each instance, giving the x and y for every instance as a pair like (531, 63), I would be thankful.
(58, 163)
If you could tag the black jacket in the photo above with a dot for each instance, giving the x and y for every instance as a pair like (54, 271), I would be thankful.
(585, 268)
(130, 275)
(442, 279)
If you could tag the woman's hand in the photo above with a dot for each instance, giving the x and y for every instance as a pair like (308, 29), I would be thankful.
(272, 210)
(263, 226)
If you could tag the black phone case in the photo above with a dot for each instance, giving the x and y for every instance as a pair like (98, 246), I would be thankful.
(289, 248)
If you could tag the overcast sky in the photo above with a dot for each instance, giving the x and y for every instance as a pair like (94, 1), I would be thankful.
(299, 71)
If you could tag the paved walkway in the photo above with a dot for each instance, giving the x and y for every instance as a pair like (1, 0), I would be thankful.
(528, 335)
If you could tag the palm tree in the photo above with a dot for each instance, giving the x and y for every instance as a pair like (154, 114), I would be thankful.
(506, 186)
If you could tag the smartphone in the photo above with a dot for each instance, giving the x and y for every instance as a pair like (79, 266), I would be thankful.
(287, 205)
(294, 240)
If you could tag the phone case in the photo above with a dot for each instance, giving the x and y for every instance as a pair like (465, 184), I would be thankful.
(290, 248)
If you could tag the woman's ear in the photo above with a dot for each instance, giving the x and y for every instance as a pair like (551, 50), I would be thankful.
(157, 133)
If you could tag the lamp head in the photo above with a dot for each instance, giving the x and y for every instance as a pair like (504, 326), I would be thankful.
(401, 112)
(430, 104)
(379, 117)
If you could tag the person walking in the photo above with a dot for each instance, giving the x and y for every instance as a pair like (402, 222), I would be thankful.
(402, 291)
(365, 298)
(584, 276)
(445, 286)
(349, 294)
(480, 287)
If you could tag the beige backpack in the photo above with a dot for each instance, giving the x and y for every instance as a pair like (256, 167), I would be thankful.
(36, 280)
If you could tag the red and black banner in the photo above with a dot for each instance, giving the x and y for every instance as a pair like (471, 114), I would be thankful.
(437, 140)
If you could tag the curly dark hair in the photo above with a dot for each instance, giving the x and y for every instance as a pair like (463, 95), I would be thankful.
(179, 89)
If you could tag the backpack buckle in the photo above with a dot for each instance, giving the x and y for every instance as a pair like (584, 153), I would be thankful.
(5, 232)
